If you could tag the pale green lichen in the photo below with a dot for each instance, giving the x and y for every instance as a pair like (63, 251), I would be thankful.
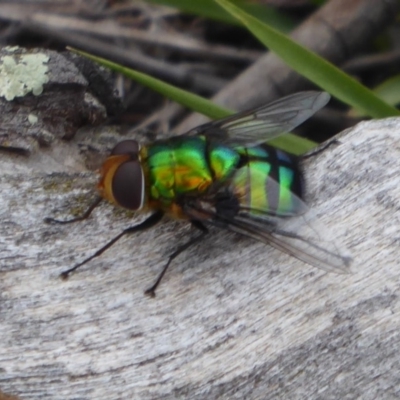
(11, 49)
(32, 118)
(23, 74)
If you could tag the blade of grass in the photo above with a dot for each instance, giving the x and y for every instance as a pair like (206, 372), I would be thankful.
(315, 68)
(289, 142)
(388, 91)
(208, 9)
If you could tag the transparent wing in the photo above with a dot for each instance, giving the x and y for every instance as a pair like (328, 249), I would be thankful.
(266, 122)
(295, 230)
(303, 243)
(301, 236)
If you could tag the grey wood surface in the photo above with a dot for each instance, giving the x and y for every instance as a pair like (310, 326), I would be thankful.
(233, 318)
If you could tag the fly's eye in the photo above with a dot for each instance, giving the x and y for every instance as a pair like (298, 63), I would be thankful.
(128, 185)
(129, 147)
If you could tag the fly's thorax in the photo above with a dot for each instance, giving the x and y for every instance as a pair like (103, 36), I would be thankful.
(177, 167)
(122, 179)
(268, 180)
(186, 166)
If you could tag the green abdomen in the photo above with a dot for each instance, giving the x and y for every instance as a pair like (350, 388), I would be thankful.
(268, 181)
(187, 166)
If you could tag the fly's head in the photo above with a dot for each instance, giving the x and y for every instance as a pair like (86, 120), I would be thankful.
(122, 179)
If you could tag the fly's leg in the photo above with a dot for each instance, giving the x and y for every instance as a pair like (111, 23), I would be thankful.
(320, 150)
(148, 223)
(15, 150)
(197, 224)
(81, 218)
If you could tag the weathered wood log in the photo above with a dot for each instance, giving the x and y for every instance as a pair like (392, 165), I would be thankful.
(232, 319)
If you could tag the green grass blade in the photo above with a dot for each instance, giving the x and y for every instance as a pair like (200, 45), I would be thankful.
(208, 9)
(289, 142)
(293, 144)
(315, 68)
(388, 91)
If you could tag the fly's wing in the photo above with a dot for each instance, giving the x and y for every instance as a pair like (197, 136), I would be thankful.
(304, 243)
(266, 122)
(301, 236)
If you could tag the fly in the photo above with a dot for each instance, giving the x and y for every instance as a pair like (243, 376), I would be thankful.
(221, 174)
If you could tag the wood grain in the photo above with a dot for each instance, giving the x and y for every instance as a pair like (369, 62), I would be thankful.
(232, 319)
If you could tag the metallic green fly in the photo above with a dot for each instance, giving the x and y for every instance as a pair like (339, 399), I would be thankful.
(222, 174)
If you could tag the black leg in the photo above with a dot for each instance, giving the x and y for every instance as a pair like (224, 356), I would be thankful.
(81, 218)
(148, 223)
(152, 290)
(320, 150)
